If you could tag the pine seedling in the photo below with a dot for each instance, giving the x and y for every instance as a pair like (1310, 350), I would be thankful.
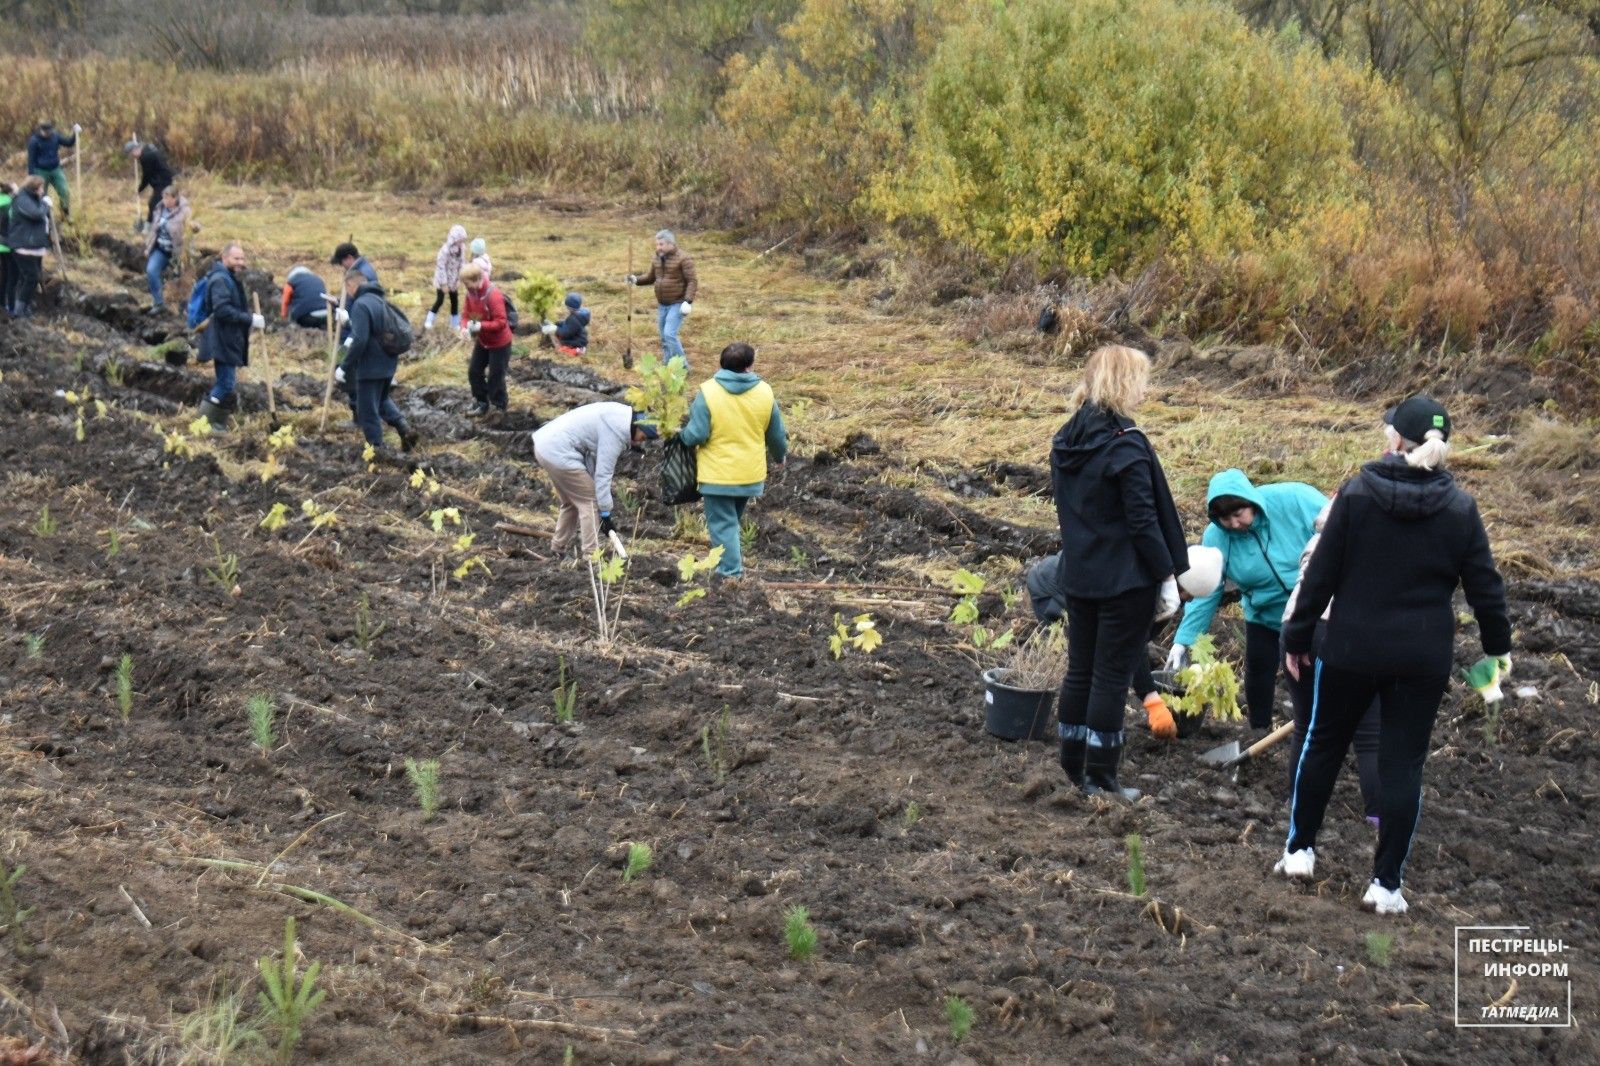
(367, 630)
(1378, 947)
(124, 680)
(799, 934)
(45, 526)
(566, 1056)
(714, 744)
(747, 535)
(639, 859)
(225, 572)
(12, 914)
(958, 1014)
(34, 642)
(424, 778)
(288, 997)
(913, 814)
(113, 544)
(262, 733)
(566, 695)
(1135, 864)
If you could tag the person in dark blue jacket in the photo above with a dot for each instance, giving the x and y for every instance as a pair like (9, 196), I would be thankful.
(155, 173)
(225, 340)
(368, 370)
(571, 333)
(1120, 527)
(305, 298)
(44, 158)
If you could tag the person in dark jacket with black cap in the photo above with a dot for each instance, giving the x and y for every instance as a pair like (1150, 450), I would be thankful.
(1120, 527)
(1398, 540)
(368, 370)
(154, 173)
(347, 256)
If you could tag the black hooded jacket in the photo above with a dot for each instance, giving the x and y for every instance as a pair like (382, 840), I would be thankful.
(1119, 526)
(1397, 542)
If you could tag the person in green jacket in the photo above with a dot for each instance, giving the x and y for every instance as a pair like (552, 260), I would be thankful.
(7, 276)
(1261, 531)
(735, 426)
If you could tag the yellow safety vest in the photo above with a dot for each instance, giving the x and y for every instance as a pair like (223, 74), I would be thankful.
(736, 453)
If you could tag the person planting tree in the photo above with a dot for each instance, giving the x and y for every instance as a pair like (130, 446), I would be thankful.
(1120, 527)
(367, 366)
(225, 332)
(1399, 538)
(304, 298)
(578, 452)
(571, 334)
(1261, 531)
(447, 276)
(672, 274)
(163, 243)
(488, 327)
(735, 426)
(44, 159)
(155, 173)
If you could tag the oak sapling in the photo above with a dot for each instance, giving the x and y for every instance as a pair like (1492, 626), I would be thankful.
(424, 778)
(958, 1014)
(124, 682)
(799, 934)
(638, 862)
(262, 712)
(288, 996)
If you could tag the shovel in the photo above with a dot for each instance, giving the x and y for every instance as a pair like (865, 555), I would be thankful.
(1229, 755)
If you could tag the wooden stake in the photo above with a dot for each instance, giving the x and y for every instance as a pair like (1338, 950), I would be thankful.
(266, 364)
(627, 353)
(138, 204)
(77, 188)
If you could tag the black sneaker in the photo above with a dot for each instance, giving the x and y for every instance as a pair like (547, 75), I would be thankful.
(478, 410)
(408, 436)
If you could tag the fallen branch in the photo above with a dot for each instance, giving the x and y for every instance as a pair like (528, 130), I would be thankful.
(137, 913)
(499, 1021)
(522, 531)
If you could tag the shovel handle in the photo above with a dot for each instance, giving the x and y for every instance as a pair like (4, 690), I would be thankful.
(1267, 741)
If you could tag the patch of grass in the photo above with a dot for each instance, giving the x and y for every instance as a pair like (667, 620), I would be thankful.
(799, 934)
(12, 913)
(424, 778)
(216, 1033)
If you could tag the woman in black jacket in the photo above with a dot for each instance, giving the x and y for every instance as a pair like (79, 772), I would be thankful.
(1398, 540)
(1120, 526)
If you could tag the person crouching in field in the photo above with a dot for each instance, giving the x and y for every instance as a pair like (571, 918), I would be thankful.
(578, 452)
(488, 327)
(305, 298)
(447, 276)
(571, 334)
(735, 425)
(367, 365)
(1399, 538)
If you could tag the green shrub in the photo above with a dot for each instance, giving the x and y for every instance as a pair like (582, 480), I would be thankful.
(537, 294)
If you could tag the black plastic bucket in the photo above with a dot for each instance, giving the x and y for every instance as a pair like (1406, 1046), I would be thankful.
(1188, 724)
(1016, 713)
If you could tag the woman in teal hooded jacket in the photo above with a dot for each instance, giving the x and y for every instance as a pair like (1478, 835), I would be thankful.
(1261, 531)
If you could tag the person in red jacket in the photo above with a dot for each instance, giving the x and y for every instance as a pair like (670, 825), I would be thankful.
(488, 327)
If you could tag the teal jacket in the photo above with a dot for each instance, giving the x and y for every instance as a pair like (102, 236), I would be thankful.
(1264, 560)
(697, 430)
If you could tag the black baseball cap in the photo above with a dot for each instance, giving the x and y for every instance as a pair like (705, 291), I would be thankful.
(342, 252)
(1413, 418)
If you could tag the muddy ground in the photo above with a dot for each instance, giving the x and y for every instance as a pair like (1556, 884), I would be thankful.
(934, 859)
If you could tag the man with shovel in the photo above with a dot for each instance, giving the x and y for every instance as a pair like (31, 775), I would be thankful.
(44, 159)
(154, 174)
(578, 452)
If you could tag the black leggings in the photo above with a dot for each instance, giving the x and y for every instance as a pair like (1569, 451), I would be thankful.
(1302, 692)
(486, 373)
(1105, 639)
(1260, 673)
(1407, 706)
(438, 301)
(25, 284)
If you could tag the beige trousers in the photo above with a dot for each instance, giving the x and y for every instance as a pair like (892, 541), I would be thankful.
(578, 513)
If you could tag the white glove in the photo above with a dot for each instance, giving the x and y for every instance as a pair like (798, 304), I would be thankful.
(473, 327)
(633, 279)
(45, 199)
(548, 328)
(349, 342)
(1178, 657)
(338, 374)
(257, 322)
(1167, 603)
(76, 129)
(340, 315)
(687, 307)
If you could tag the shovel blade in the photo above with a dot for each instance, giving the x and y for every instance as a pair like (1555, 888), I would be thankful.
(1223, 756)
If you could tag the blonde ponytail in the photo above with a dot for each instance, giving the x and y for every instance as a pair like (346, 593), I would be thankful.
(1430, 454)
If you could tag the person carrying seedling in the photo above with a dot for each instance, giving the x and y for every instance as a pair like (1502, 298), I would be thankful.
(367, 367)
(672, 274)
(447, 276)
(488, 327)
(1261, 531)
(1120, 527)
(154, 173)
(1399, 539)
(305, 298)
(571, 333)
(735, 426)
(29, 237)
(163, 243)
(225, 332)
(44, 159)
(578, 452)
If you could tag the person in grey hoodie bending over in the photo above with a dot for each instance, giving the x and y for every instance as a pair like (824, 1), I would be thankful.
(578, 452)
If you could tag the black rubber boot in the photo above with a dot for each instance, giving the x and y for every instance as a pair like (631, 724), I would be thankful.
(408, 436)
(215, 415)
(1100, 768)
(1072, 759)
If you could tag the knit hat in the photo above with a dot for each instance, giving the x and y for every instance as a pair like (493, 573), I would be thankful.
(645, 423)
(478, 246)
(666, 235)
(1204, 573)
(574, 301)
(1414, 418)
(343, 252)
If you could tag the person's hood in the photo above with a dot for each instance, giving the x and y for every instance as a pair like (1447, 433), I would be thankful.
(458, 235)
(583, 313)
(736, 381)
(1232, 482)
(370, 287)
(1086, 434)
(295, 272)
(1407, 491)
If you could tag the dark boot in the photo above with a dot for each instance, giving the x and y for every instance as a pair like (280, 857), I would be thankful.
(408, 436)
(215, 415)
(1072, 759)
(1100, 767)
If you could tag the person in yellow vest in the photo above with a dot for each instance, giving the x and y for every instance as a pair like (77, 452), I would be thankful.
(734, 425)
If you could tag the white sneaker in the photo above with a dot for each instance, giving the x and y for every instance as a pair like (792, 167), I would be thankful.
(1383, 901)
(427, 323)
(1296, 864)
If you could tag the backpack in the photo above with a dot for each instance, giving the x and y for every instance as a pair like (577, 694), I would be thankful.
(199, 317)
(395, 335)
(511, 310)
(680, 481)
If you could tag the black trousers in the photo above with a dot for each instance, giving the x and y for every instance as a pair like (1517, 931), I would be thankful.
(1260, 673)
(27, 269)
(438, 301)
(8, 281)
(1407, 706)
(1302, 692)
(1105, 640)
(486, 373)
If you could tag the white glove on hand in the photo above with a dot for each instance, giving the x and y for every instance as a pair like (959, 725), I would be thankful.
(1178, 657)
(76, 129)
(687, 307)
(548, 328)
(1167, 602)
(258, 322)
(473, 327)
(338, 374)
(45, 199)
(633, 279)
(340, 315)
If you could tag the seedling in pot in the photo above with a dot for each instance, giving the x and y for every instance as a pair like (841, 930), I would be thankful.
(638, 861)
(714, 744)
(1208, 684)
(45, 526)
(124, 682)
(1379, 945)
(367, 629)
(958, 1014)
(262, 712)
(424, 778)
(1135, 864)
(566, 695)
(799, 934)
(288, 996)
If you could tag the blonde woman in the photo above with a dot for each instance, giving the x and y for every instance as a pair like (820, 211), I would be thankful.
(1120, 528)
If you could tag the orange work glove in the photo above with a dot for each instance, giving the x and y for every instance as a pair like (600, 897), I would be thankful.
(1161, 723)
